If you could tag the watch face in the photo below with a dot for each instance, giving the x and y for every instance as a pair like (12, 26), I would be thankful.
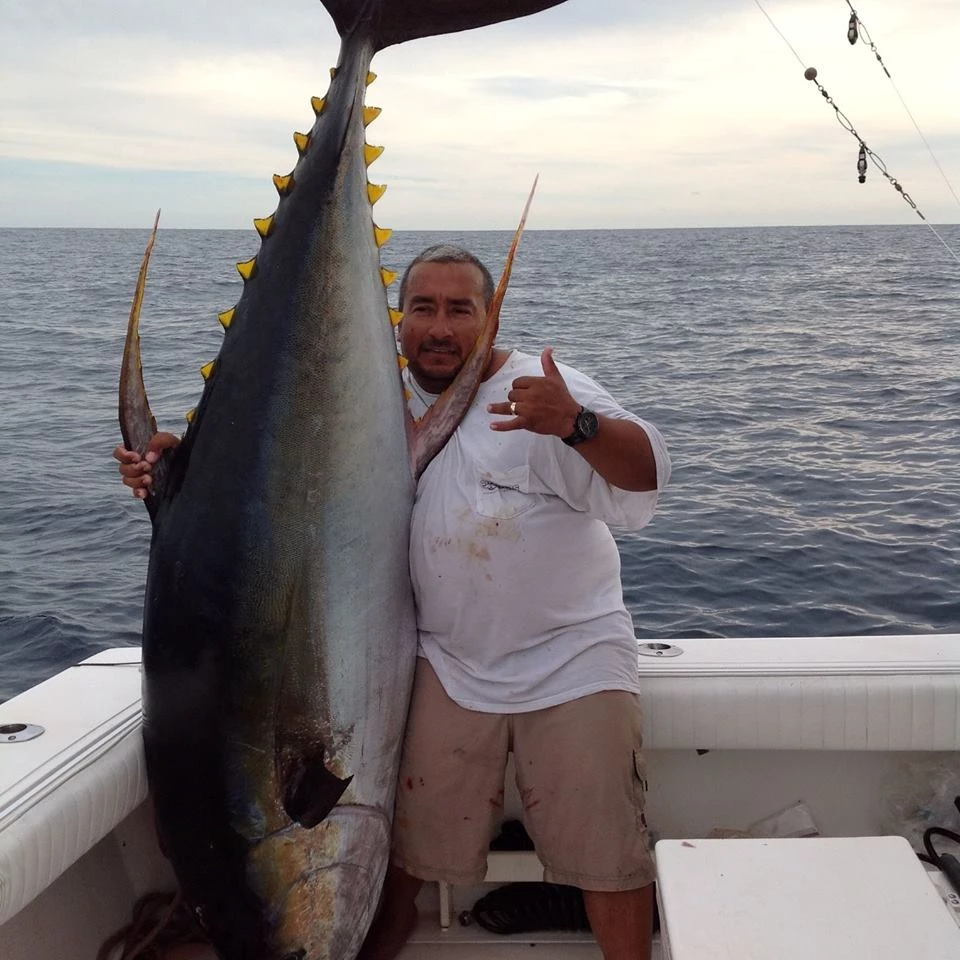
(587, 424)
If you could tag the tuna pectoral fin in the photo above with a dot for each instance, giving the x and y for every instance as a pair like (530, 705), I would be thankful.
(393, 21)
(137, 423)
(443, 417)
(311, 791)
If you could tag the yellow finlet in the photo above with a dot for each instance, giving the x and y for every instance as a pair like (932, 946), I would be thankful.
(318, 103)
(226, 318)
(370, 114)
(302, 141)
(283, 184)
(190, 414)
(402, 361)
(370, 77)
(381, 235)
(395, 316)
(407, 395)
(388, 276)
(247, 268)
(207, 369)
(263, 226)
(375, 191)
(333, 72)
(370, 153)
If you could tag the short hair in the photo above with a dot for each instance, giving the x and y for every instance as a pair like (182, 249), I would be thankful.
(449, 253)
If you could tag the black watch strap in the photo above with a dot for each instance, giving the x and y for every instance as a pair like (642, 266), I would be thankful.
(585, 427)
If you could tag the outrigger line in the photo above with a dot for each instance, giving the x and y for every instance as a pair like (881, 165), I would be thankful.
(854, 28)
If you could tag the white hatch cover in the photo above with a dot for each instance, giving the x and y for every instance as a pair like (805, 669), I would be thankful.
(855, 898)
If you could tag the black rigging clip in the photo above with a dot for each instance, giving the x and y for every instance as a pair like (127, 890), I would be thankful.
(853, 33)
(862, 163)
(945, 862)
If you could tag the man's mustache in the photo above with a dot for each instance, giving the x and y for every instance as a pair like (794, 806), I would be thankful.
(434, 344)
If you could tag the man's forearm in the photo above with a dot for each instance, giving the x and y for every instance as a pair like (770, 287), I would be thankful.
(622, 454)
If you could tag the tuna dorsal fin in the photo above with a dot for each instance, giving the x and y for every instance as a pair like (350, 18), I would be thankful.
(311, 791)
(137, 422)
(439, 422)
(393, 21)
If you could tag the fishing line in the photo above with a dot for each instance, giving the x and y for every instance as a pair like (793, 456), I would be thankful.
(810, 73)
(857, 28)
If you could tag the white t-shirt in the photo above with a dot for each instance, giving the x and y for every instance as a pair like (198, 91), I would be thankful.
(515, 572)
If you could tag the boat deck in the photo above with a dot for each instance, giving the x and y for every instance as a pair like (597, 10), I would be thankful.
(739, 733)
(430, 942)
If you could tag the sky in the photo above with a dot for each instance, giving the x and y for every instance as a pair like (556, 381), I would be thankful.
(635, 113)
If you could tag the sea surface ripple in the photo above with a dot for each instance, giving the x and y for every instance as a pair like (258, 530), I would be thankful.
(807, 381)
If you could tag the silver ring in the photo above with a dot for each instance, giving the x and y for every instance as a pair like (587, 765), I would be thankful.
(513, 409)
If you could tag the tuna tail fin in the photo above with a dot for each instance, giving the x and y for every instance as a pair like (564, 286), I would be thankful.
(394, 21)
(137, 422)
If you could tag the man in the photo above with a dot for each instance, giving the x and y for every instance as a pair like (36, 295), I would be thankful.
(525, 643)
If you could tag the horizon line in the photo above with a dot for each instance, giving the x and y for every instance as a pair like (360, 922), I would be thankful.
(745, 226)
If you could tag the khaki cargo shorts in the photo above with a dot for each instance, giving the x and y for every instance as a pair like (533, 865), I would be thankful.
(581, 779)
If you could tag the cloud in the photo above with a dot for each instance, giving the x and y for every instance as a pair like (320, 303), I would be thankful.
(546, 88)
(636, 114)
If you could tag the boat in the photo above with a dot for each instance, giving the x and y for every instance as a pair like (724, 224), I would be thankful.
(790, 784)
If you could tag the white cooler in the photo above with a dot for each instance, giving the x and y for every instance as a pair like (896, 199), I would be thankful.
(853, 898)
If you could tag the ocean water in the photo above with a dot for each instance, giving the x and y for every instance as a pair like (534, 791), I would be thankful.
(807, 381)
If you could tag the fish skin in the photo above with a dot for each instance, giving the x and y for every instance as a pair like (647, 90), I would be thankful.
(279, 633)
(254, 606)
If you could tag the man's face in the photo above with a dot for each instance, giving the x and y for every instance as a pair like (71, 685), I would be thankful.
(443, 312)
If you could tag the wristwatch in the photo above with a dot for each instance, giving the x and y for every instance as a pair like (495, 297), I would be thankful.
(585, 427)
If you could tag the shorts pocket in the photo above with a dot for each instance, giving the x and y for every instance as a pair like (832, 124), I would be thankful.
(504, 494)
(640, 770)
(640, 788)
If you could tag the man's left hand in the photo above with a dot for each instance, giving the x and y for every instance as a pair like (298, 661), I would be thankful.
(539, 404)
